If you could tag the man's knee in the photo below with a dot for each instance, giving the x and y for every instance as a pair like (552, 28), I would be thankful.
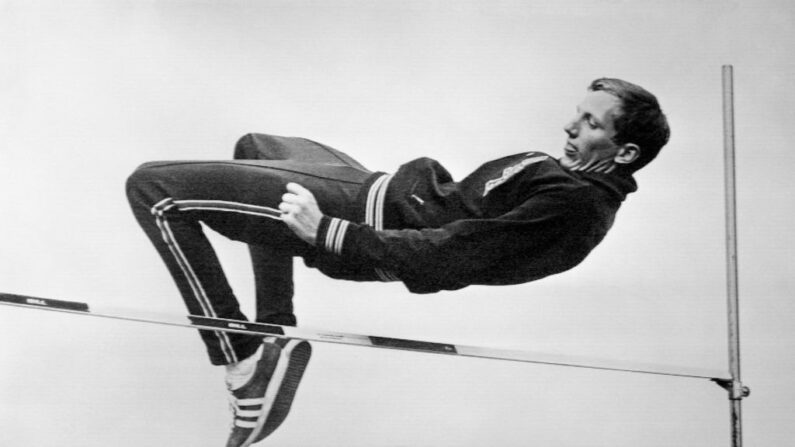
(260, 146)
(245, 149)
(141, 183)
(257, 146)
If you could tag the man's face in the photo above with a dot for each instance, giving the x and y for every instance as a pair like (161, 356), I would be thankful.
(589, 145)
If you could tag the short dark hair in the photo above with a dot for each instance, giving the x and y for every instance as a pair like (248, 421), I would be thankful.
(641, 121)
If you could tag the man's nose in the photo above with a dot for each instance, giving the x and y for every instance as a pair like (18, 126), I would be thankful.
(571, 128)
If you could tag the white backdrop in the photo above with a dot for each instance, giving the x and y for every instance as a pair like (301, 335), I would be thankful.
(91, 89)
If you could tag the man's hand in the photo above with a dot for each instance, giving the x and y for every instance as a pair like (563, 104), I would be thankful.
(300, 212)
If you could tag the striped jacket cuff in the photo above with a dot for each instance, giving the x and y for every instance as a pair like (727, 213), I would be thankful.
(331, 234)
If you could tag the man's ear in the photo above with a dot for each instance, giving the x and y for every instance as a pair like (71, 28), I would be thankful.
(627, 153)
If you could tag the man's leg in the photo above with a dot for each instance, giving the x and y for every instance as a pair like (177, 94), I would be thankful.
(239, 200)
(273, 267)
(273, 281)
(180, 240)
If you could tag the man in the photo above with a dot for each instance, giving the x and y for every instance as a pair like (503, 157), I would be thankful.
(515, 219)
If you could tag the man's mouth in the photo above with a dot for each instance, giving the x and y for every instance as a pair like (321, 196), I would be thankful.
(570, 149)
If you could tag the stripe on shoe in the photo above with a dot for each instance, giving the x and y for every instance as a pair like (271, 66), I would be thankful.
(246, 424)
(250, 402)
(250, 417)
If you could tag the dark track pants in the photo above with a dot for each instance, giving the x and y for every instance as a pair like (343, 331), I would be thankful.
(239, 199)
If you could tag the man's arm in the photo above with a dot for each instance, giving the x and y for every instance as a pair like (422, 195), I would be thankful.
(547, 234)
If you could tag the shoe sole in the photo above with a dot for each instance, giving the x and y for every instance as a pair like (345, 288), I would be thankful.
(282, 388)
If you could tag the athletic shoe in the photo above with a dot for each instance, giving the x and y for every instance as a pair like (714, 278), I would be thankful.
(262, 404)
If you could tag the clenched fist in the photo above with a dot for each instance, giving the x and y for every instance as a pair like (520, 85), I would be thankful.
(300, 212)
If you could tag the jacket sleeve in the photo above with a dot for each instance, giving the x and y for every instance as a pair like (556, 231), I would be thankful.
(528, 242)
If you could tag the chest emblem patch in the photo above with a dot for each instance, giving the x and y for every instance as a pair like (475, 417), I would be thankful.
(510, 171)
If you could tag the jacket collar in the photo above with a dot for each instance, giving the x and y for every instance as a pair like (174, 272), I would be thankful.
(619, 184)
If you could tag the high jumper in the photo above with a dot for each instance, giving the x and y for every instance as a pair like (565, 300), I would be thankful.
(515, 219)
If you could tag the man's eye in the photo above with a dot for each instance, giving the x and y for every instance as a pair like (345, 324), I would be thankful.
(590, 121)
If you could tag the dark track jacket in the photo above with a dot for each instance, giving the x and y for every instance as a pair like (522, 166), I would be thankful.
(513, 220)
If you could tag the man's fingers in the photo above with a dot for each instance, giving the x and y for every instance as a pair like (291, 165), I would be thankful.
(297, 189)
(290, 198)
(300, 212)
(298, 200)
(297, 194)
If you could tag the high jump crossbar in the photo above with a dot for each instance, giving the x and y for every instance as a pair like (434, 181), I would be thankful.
(323, 336)
(729, 380)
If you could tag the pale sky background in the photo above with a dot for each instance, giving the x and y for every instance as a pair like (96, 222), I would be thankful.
(91, 89)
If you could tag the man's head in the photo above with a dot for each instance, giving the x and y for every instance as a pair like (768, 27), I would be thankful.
(618, 126)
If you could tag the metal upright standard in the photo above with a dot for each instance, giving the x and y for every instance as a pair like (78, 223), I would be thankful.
(734, 386)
